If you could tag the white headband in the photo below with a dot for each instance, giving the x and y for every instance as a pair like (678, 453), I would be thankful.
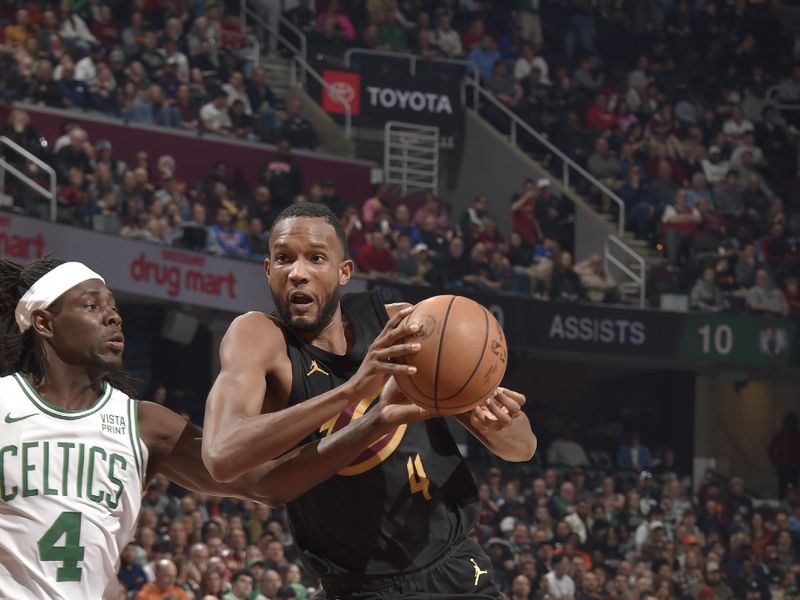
(48, 288)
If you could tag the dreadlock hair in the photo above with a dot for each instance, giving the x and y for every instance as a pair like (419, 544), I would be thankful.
(22, 351)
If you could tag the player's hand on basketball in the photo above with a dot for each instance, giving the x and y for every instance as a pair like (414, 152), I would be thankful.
(498, 410)
(396, 408)
(382, 357)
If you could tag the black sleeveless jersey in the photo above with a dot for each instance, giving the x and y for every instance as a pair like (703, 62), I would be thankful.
(400, 504)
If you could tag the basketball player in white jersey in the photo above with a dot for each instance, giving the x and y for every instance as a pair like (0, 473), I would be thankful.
(76, 449)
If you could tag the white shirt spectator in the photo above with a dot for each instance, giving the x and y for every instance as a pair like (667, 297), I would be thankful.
(234, 95)
(450, 42)
(758, 155)
(715, 172)
(85, 70)
(215, 118)
(568, 453)
(735, 131)
(181, 61)
(75, 28)
(560, 588)
(669, 214)
(523, 68)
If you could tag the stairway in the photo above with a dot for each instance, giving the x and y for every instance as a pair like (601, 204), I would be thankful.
(279, 77)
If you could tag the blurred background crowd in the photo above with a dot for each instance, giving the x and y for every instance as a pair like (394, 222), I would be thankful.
(664, 101)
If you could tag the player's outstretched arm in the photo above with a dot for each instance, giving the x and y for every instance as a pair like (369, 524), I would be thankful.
(174, 445)
(241, 431)
(501, 426)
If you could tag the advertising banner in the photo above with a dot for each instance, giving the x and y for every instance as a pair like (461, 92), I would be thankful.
(629, 333)
(150, 270)
(376, 97)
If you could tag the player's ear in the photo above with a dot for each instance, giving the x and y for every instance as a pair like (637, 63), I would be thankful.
(345, 271)
(42, 322)
(266, 266)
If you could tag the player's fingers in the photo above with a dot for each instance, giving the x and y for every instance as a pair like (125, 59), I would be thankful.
(520, 399)
(500, 413)
(396, 319)
(403, 349)
(400, 331)
(477, 418)
(511, 405)
(397, 368)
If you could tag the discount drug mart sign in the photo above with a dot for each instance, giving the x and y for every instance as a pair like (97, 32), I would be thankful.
(141, 268)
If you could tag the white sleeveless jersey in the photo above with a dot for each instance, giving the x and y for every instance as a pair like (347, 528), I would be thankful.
(70, 492)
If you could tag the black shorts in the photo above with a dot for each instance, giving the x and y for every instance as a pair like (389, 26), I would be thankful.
(463, 572)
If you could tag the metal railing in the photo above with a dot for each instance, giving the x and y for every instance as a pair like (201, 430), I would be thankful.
(784, 96)
(567, 163)
(332, 92)
(411, 156)
(300, 68)
(640, 278)
(49, 194)
(413, 59)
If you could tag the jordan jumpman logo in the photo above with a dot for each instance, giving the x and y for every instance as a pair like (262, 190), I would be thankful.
(478, 570)
(315, 369)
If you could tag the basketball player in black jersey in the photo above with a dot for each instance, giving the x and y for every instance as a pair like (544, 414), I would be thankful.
(393, 500)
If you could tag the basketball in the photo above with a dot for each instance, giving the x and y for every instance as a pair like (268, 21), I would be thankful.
(463, 356)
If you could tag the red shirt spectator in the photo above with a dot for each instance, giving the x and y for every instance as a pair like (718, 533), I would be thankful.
(598, 116)
(523, 220)
(376, 257)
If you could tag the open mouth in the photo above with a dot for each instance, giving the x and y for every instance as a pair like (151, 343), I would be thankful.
(301, 301)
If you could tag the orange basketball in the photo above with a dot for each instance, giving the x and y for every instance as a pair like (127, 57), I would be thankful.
(463, 356)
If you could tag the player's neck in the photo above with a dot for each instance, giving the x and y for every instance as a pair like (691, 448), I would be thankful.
(69, 387)
(335, 337)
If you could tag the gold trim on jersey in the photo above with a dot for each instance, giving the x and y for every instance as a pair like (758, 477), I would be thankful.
(387, 447)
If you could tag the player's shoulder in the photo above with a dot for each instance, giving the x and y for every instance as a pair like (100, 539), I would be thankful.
(254, 332)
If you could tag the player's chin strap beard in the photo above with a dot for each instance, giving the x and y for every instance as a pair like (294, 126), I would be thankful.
(324, 316)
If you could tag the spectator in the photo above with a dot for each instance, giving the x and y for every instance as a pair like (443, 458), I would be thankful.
(564, 451)
(523, 220)
(448, 38)
(75, 92)
(375, 258)
(504, 87)
(404, 258)
(257, 239)
(283, 176)
(737, 126)
(559, 583)
(163, 588)
(792, 294)
(296, 128)
(565, 282)
(599, 118)
(679, 222)
(633, 454)
(130, 574)
(329, 198)
(784, 452)
(528, 61)
(391, 33)
(473, 215)
(269, 584)
(484, 56)
(600, 285)
(17, 34)
(763, 297)
(605, 166)
(214, 114)
(715, 167)
(241, 586)
(706, 294)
